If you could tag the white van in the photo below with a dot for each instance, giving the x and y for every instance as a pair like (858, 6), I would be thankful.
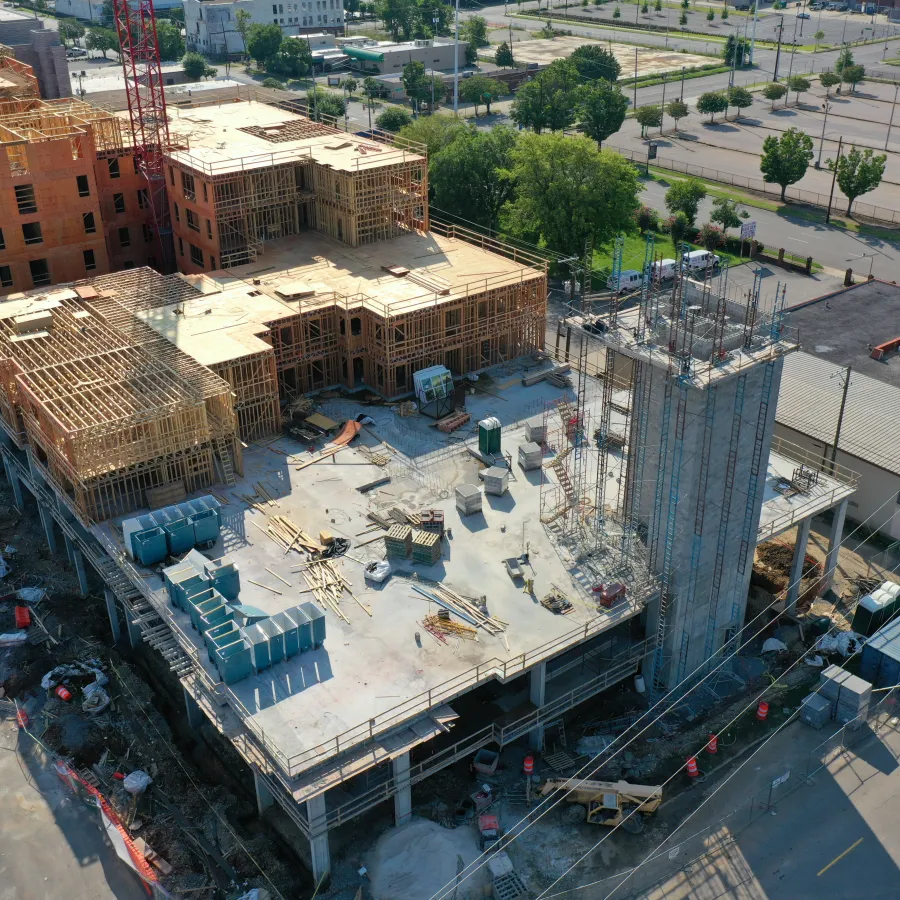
(700, 260)
(629, 279)
(664, 269)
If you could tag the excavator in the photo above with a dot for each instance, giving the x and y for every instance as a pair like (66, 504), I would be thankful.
(608, 803)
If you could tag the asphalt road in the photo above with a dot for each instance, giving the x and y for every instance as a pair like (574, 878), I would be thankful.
(51, 846)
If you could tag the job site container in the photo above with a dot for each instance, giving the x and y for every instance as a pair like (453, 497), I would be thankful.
(489, 436)
(317, 618)
(880, 659)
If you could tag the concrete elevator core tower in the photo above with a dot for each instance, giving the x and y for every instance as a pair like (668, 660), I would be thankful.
(705, 372)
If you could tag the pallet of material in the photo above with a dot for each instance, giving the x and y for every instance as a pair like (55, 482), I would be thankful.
(452, 422)
(561, 369)
(536, 430)
(426, 547)
(468, 499)
(530, 456)
(445, 625)
(559, 379)
(398, 541)
(557, 602)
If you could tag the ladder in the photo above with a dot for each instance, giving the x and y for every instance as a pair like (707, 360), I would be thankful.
(224, 456)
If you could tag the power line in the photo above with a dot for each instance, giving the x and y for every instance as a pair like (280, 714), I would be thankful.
(443, 892)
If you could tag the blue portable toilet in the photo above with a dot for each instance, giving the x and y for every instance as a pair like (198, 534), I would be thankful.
(317, 618)
(149, 546)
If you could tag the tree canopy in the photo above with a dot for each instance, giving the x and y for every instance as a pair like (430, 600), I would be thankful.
(601, 110)
(712, 102)
(471, 177)
(724, 211)
(594, 61)
(169, 39)
(677, 109)
(435, 132)
(858, 173)
(393, 118)
(293, 58)
(739, 97)
(481, 89)
(648, 117)
(263, 42)
(504, 56)
(786, 158)
(568, 190)
(324, 103)
(685, 197)
(828, 80)
(70, 30)
(102, 39)
(196, 67)
(408, 19)
(798, 84)
(735, 50)
(474, 31)
(549, 100)
(773, 91)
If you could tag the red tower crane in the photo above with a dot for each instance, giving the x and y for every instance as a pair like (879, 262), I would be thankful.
(136, 27)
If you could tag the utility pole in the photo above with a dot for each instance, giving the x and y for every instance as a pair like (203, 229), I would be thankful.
(456, 66)
(837, 431)
(891, 123)
(780, 28)
(755, 20)
(635, 76)
(682, 83)
(662, 106)
(826, 107)
(833, 179)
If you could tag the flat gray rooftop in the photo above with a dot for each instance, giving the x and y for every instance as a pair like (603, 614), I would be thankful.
(320, 703)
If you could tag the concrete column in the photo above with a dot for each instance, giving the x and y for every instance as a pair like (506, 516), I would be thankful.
(134, 631)
(797, 564)
(264, 798)
(113, 614)
(195, 715)
(537, 693)
(47, 522)
(834, 543)
(403, 797)
(318, 838)
(70, 549)
(15, 484)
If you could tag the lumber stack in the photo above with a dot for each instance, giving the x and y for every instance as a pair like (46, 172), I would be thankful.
(328, 585)
(290, 536)
(445, 625)
(462, 607)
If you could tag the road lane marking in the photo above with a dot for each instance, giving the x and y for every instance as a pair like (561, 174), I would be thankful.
(838, 858)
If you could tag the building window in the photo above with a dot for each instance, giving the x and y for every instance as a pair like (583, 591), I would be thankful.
(119, 202)
(196, 255)
(187, 186)
(172, 176)
(40, 272)
(2, 240)
(212, 262)
(137, 164)
(148, 233)
(209, 229)
(89, 261)
(32, 233)
(180, 247)
(143, 198)
(90, 226)
(124, 237)
(113, 164)
(177, 213)
(274, 9)
(5, 276)
(25, 199)
(205, 194)
(84, 187)
(193, 220)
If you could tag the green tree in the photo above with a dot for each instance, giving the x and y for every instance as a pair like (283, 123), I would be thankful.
(242, 21)
(739, 97)
(828, 80)
(658, 6)
(595, 61)
(70, 30)
(292, 59)
(323, 103)
(349, 84)
(601, 110)
(568, 190)
(435, 132)
(711, 16)
(371, 87)
(393, 118)
(724, 211)
(481, 89)
(415, 82)
(549, 100)
(102, 39)
(646, 218)
(685, 5)
(685, 197)
(474, 30)
(195, 66)
(645, 8)
(682, 19)
(735, 51)
(648, 117)
(275, 84)
(845, 58)
(263, 42)
(170, 41)
(504, 56)
(725, 13)
(617, 13)
(819, 37)
(786, 158)
(712, 102)
(677, 109)
(471, 177)
(798, 84)
(678, 225)
(853, 75)
(399, 17)
(858, 173)
(773, 91)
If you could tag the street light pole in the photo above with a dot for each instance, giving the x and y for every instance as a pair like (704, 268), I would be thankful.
(780, 28)
(755, 20)
(662, 106)
(891, 123)
(682, 82)
(456, 66)
(833, 179)
(826, 107)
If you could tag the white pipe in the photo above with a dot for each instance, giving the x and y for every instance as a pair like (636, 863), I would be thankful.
(753, 38)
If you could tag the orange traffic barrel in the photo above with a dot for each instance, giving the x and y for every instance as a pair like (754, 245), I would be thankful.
(692, 769)
(63, 693)
(713, 745)
(529, 765)
(762, 711)
(22, 718)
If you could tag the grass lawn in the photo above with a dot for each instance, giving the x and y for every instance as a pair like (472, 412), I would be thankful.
(635, 245)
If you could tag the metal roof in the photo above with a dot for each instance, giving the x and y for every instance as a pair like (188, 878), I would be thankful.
(809, 401)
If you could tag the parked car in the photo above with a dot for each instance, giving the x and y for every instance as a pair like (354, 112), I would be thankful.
(628, 280)
(76, 52)
(742, 7)
(664, 269)
(700, 260)
(803, 15)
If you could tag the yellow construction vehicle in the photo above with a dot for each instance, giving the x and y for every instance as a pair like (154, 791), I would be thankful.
(606, 802)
